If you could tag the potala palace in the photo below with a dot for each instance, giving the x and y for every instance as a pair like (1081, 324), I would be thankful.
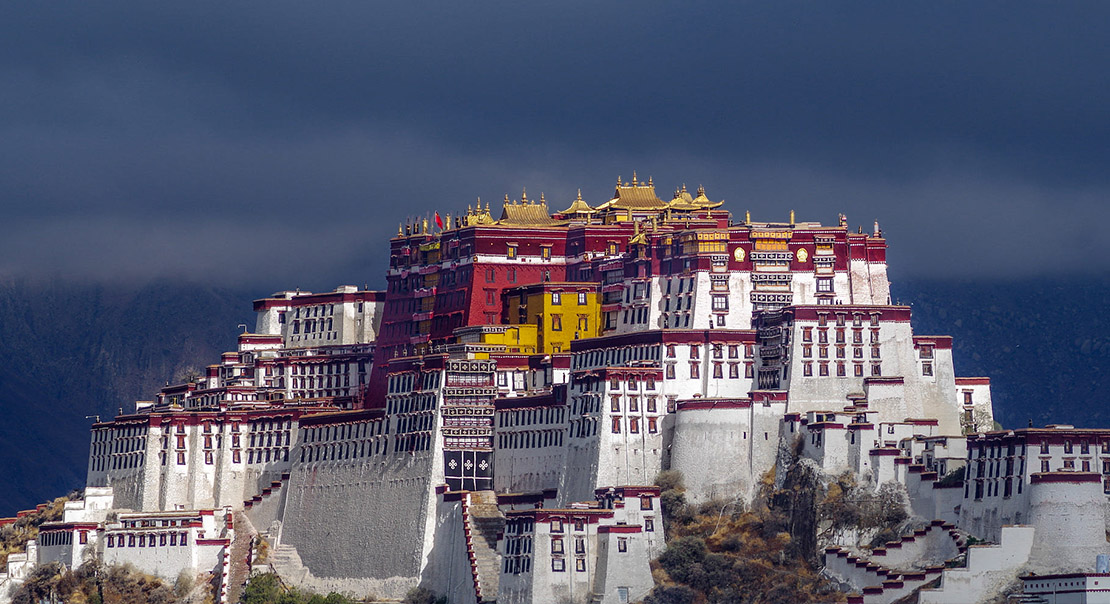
(490, 426)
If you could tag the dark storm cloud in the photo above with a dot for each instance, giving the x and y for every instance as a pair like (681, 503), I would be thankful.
(281, 142)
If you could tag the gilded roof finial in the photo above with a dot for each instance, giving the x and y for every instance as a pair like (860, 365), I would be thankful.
(747, 216)
(400, 229)
(579, 194)
(651, 181)
(618, 180)
(683, 187)
(543, 201)
(470, 208)
(701, 191)
(524, 195)
(633, 178)
(791, 217)
(425, 226)
(506, 199)
(487, 206)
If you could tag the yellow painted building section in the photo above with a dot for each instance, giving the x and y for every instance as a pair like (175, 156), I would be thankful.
(562, 312)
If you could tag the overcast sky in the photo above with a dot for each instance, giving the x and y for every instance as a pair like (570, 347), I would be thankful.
(279, 144)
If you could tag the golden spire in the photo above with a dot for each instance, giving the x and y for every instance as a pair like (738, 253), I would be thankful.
(747, 217)
(791, 217)
(524, 196)
(542, 200)
(579, 194)
(634, 178)
(425, 226)
(618, 180)
(447, 223)
(487, 205)
(651, 181)
(701, 191)
(400, 229)
(683, 187)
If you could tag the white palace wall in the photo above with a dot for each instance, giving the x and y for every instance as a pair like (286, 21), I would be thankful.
(365, 518)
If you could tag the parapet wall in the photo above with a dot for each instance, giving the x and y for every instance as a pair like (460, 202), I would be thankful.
(1068, 510)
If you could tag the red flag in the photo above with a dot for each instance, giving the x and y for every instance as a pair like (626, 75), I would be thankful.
(439, 221)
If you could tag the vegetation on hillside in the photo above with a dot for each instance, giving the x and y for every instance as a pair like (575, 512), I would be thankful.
(268, 588)
(14, 537)
(94, 583)
(720, 552)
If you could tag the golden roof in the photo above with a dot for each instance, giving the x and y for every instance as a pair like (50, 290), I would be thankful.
(579, 207)
(683, 202)
(526, 213)
(634, 196)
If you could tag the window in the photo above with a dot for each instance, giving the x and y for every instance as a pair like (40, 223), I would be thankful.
(545, 252)
(718, 371)
(1044, 465)
(611, 249)
(634, 425)
(807, 351)
(824, 285)
(807, 368)
(841, 370)
(807, 334)
(695, 372)
(651, 404)
(670, 371)
(695, 351)
(556, 322)
(580, 565)
(633, 404)
(927, 368)
(823, 369)
(733, 371)
(582, 298)
(556, 545)
(489, 275)
(876, 369)
(622, 544)
(649, 525)
(511, 251)
(556, 298)
(558, 565)
(556, 525)
(615, 404)
(653, 425)
(616, 425)
(720, 303)
(926, 352)
(857, 369)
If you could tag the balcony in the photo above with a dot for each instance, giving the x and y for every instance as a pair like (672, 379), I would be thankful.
(424, 292)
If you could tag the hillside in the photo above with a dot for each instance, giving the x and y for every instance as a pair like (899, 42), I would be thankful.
(68, 351)
(1044, 342)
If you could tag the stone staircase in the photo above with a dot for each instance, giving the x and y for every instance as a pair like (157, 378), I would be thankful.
(286, 562)
(987, 569)
(483, 524)
(896, 570)
(238, 553)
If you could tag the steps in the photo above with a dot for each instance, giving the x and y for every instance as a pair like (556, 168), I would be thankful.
(483, 523)
(988, 569)
(896, 570)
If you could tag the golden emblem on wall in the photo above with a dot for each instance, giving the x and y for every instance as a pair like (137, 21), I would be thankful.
(802, 255)
(738, 254)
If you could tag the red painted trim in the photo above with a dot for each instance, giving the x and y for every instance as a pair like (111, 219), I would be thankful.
(705, 404)
(1065, 477)
(620, 528)
(973, 381)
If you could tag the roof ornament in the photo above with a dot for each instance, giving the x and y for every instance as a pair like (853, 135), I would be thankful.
(542, 200)
(792, 218)
(634, 183)
(651, 181)
(701, 191)
(523, 196)
(618, 180)
(400, 229)
(747, 216)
